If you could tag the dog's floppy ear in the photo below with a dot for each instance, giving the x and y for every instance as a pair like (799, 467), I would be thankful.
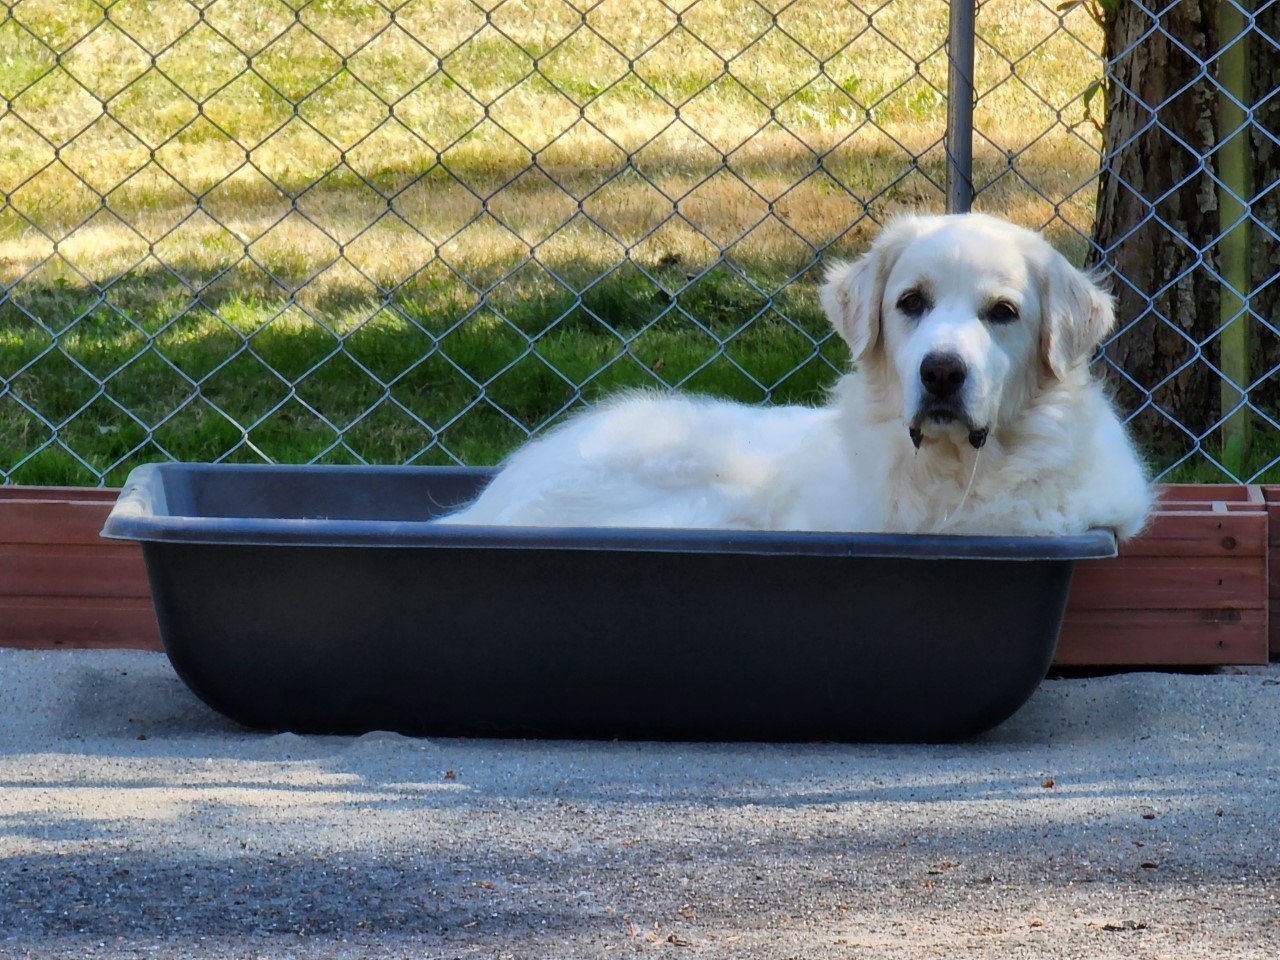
(851, 299)
(852, 293)
(1076, 314)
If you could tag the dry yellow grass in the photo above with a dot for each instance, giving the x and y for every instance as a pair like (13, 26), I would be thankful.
(818, 115)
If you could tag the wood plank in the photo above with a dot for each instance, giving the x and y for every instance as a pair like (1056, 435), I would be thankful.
(1162, 638)
(99, 494)
(1274, 630)
(52, 521)
(1205, 555)
(103, 569)
(1272, 495)
(1273, 581)
(1201, 535)
(1171, 493)
(1162, 583)
(41, 623)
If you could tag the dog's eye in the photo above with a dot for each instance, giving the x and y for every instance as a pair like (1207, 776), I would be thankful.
(1002, 311)
(913, 303)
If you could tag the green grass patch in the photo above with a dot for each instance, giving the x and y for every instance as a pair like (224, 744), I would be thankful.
(421, 375)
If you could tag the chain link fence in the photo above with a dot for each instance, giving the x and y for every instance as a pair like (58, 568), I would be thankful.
(419, 232)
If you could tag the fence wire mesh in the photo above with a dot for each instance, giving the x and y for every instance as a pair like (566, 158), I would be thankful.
(419, 232)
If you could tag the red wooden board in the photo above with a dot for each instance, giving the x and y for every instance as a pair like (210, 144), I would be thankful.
(1192, 590)
(77, 622)
(1272, 496)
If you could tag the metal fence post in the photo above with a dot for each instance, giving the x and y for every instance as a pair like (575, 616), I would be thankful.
(1235, 120)
(960, 43)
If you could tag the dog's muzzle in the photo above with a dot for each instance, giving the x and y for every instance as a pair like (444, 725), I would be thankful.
(945, 411)
(942, 375)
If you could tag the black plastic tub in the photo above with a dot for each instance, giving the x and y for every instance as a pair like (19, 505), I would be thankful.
(322, 599)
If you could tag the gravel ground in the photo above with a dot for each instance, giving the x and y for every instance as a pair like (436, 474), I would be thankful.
(1125, 816)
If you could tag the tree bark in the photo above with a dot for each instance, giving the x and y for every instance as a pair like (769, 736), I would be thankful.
(1157, 217)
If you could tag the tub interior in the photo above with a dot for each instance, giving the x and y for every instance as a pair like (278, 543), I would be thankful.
(393, 506)
(321, 493)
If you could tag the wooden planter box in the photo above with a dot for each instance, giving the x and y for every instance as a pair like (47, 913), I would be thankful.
(60, 584)
(1194, 589)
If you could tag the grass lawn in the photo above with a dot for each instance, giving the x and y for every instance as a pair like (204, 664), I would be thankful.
(320, 234)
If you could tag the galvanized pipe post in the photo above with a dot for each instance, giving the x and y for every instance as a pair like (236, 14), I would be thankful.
(959, 141)
(1235, 129)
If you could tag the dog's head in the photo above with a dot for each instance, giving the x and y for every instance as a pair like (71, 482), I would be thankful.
(963, 319)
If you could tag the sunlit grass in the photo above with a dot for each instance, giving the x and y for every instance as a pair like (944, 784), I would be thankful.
(299, 234)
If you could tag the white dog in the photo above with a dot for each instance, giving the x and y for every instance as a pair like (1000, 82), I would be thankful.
(972, 410)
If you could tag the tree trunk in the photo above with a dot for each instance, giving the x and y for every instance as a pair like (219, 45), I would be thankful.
(1157, 217)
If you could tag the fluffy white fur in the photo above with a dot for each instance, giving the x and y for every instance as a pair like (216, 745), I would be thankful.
(1056, 460)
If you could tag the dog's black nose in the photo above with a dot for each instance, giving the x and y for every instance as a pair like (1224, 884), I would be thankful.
(942, 374)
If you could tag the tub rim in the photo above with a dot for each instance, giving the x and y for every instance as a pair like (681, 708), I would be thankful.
(141, 513)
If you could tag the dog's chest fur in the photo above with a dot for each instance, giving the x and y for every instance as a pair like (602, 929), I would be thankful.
(1063, 464)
